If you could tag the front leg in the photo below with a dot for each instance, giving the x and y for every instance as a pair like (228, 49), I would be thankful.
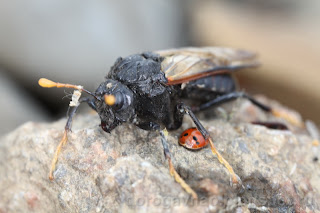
(71, 113)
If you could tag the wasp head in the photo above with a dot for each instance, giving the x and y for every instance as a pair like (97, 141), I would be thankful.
(114, 104)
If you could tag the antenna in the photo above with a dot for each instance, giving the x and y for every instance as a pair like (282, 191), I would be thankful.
(43, 82)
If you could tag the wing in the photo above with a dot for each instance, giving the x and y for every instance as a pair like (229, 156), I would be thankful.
(187, 64)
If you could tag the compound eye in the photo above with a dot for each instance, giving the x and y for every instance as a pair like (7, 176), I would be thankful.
(116, 101)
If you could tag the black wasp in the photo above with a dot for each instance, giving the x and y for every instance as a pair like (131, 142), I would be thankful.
(149, 90)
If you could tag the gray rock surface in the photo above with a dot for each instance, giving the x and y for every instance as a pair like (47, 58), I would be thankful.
(126, 170)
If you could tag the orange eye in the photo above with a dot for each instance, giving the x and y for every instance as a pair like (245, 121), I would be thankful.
(192, 139)
(109, 99)
(116, 101)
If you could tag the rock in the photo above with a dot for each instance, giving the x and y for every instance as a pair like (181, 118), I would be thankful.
(126, 170)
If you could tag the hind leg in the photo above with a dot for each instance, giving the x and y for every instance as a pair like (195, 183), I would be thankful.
(234, 95)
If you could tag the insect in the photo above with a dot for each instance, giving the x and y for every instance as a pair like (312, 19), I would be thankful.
(192, 139)
(149, 90)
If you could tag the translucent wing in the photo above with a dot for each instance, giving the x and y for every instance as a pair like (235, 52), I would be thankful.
(186, 64)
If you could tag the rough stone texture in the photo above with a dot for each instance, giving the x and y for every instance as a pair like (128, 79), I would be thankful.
(126, 170)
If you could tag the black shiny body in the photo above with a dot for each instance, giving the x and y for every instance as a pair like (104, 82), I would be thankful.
(209, 88)
(151, 103)
(150, 89)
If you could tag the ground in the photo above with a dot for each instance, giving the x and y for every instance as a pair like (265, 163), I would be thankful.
(126, 170)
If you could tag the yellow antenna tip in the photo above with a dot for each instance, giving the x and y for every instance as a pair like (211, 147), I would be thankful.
(46, 83)
(110, 99)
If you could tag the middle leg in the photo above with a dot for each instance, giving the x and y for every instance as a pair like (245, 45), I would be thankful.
(173, 172)
(187, 110)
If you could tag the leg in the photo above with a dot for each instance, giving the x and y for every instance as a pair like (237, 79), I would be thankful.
(230, 97)
(173, 172)
(204, 132)
(90, 102)
(63, 141)
(234, 95)
(148, 126)
(271, 125)
(176, 122)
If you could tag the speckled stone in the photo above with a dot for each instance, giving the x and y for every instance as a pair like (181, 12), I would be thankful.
(126, 171)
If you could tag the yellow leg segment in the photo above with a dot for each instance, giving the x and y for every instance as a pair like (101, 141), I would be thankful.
(235, 177)
(287, 116)
(183, 184)
(56, 154)
(164, 134)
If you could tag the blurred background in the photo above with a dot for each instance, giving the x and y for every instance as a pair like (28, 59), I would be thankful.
(77, 42)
